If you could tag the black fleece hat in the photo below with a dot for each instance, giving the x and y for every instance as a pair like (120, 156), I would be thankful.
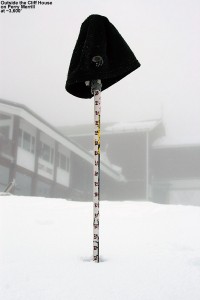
(100, 53)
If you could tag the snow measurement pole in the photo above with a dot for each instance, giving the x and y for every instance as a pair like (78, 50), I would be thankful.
(100, 55)
(96, 90)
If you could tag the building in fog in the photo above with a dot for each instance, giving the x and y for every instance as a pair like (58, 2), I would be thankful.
(137, 160)
(176, 170)
(154, 166)
(128, 145)
(42, 161)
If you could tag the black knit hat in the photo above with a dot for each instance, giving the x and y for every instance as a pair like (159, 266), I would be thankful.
(100, 53)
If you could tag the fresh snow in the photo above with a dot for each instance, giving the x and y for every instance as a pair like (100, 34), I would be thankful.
(174, 142)
(132, 127)
(148, 251)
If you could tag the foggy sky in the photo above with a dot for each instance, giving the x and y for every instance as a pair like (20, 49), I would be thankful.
(36, 48)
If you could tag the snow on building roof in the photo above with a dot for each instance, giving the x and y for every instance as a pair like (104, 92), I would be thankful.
(108, 128)
(140, 126)
(177, 142)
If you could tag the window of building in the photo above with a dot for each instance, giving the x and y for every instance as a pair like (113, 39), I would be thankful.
(46, 153)
(5, 122)
(63, 162)
(33, 144)
(5, 130)
(20, 138)
(26, 141)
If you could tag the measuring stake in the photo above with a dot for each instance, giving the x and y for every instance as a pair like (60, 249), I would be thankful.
(96, 90)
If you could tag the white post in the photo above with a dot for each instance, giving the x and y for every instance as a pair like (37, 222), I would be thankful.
(96, 90)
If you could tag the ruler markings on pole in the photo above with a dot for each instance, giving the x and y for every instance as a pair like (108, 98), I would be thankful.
(96, 184)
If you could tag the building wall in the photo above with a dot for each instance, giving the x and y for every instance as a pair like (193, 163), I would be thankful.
(132, 152)
(40, 159)
(63, 166)
(81, 179)
(46, 158)
(26, 145)
(128, 151)
(4, 175)
(39, 164)
(176, 175)
(182, 162)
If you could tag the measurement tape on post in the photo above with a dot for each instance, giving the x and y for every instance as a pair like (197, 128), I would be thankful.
(96, 90)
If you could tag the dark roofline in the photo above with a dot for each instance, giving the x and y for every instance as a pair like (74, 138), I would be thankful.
(22, 106)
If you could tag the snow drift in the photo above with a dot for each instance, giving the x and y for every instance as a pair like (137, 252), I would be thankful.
(148, 251)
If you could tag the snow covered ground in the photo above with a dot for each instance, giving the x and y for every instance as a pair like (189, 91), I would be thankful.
(148, 251)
